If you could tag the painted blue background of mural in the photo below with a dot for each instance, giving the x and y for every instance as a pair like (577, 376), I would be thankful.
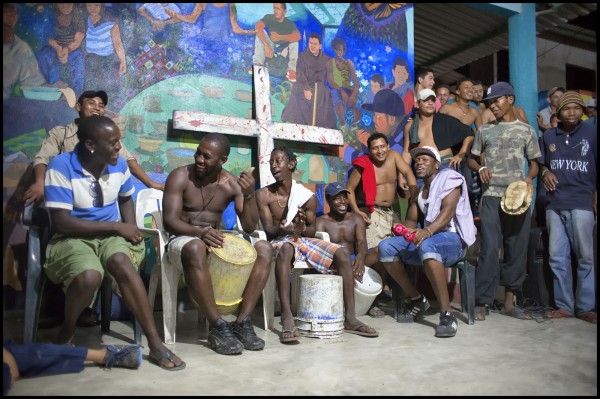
(206, 67)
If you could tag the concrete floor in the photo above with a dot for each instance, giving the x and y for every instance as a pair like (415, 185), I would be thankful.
(498, 356)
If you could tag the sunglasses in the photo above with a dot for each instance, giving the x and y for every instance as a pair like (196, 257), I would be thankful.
(96, 193)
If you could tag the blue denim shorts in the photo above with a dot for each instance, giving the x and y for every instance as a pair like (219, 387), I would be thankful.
(445, 247)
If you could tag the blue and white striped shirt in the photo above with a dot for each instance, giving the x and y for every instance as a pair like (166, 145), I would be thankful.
(69, 186)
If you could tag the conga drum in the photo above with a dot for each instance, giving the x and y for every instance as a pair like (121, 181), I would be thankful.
(230, 268)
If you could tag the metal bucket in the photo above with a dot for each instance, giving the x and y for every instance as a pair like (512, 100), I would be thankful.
(321, 306)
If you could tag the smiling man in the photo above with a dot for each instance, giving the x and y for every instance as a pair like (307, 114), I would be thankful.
(88, 192)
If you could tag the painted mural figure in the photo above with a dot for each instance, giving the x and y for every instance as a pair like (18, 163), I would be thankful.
(206, 38)
(279, 45)
(105, 54)
(310, 101)
(160, 21)
(20, 67)
(344, 83)
(62, 58)
(402, 84)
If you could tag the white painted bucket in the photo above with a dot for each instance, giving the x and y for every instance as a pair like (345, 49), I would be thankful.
(321, 306)
(366, 292)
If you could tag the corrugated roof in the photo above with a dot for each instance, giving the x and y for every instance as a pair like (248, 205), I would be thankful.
(449, 36)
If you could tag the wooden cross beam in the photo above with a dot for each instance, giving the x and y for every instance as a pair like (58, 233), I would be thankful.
(262, 127)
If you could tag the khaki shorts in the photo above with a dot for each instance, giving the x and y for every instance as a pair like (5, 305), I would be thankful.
(382, 220)
(174, 249)
(68, 257)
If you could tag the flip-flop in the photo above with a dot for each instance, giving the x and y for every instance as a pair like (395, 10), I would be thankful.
(517, 313)
(157, 356)
(376, 312)
(360, 330)
(294, 338)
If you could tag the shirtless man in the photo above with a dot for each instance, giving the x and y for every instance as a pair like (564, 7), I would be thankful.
(389, 172)
(349, 230)
(437, 130)
(195, 198)
(478, 95)
(461, 109)
(294, 240)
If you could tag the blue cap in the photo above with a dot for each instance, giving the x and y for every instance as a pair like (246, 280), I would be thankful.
(386, 101)
(334, 189)
(499, 89)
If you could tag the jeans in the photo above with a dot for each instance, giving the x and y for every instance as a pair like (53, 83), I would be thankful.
(445, 247)
(572, 229)
(259, 52)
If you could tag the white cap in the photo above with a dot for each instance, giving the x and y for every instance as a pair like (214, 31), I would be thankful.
(425, 94)
(426, 150)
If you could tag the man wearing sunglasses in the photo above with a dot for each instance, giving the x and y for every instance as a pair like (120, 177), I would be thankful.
(88, 192)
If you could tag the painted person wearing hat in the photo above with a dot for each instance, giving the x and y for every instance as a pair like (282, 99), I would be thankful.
(446, 133)
(507, 143)
(64, 138)
(545, 114)
(442, 241)
(349, 230)
(568, 172)
(388, 110)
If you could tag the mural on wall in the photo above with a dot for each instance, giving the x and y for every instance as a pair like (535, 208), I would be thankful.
(325, 61)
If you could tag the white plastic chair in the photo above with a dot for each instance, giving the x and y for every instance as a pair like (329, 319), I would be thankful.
(149, 201)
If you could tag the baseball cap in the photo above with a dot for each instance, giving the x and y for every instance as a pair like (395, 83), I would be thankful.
(425, 94)
(386, 101)
(426, 150)
(591, 103)
(555, 89)
(92, 94)
(499, 89)
(569, 97)
(334, 189)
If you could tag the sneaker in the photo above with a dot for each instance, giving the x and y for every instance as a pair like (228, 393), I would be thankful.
(244, 332)
(412, 309)
(291, 75)
(557, 314)
(129, 356)
(448, 325)
(222, 339)
(590, 317)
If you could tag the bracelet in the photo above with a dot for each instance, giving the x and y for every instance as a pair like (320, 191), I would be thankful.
(482, 168)
(249, 196)
(429, 231)
(545, 171)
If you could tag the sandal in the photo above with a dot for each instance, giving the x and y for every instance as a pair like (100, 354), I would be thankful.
(376, 312)
(480, 312)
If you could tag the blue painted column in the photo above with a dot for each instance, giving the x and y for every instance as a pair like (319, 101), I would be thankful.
(522, 58)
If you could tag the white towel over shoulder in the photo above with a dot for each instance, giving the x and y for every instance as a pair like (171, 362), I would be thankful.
(299, 195)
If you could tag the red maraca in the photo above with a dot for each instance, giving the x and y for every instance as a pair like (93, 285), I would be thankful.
(398, 229)
(408, 236)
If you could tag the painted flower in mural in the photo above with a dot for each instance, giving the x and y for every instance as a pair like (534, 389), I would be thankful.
(388, 49)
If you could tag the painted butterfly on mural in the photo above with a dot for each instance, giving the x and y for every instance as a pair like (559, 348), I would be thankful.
(382, 10)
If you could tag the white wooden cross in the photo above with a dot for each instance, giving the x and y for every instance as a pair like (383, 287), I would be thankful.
(262, 127)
